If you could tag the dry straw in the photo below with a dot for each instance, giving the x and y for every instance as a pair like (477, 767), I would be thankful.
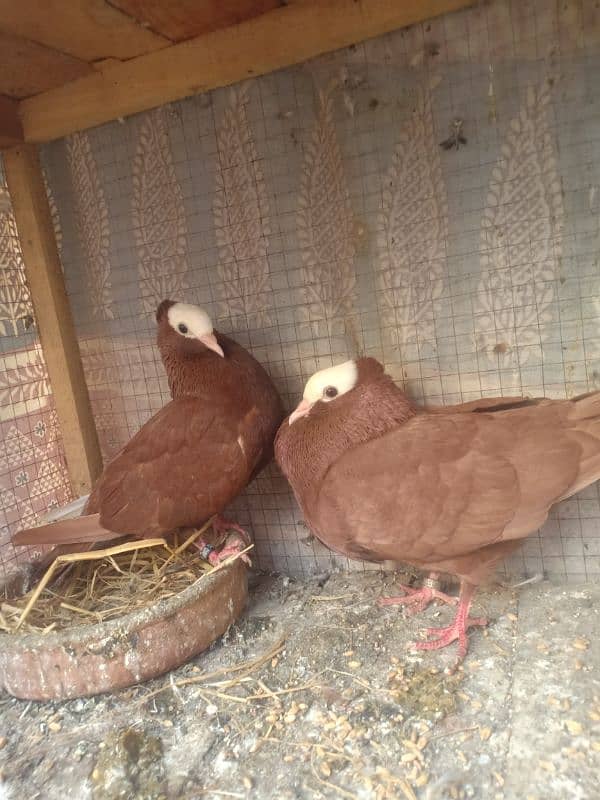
(104, 584)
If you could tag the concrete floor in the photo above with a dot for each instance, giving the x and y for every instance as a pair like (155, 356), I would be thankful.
(343, 709)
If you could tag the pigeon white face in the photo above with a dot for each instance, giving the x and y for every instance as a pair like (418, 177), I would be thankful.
(188, 320)
(193, 322)
(325, 386)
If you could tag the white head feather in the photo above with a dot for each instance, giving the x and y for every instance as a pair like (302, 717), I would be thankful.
(194, 321)
(341, 378)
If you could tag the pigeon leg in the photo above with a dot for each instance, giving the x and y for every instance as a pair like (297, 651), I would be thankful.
(221, 526)
(418, 599)
(215, 555)
(441, 637)
(229, 543)
(231, 550)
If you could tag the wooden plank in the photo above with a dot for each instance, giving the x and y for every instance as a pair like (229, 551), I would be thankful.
(184, 19)
(53, 315)
(27, 68)
(11, 131)
(86, 29)
(287, 35)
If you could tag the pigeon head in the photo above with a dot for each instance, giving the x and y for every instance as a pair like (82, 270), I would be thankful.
(325, 386)
(187, 327)
(341, 407)
(331, 384)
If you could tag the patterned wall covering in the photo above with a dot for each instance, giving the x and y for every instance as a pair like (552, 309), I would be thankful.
(33, 476)
(315, 214)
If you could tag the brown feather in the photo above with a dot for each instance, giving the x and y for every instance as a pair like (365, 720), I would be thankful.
(453, 489)
(66, 531)
(193, 457)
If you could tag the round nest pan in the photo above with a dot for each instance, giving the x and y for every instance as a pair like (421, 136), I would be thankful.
(90, 659)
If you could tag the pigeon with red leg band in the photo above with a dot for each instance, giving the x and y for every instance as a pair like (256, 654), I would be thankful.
(192, 458)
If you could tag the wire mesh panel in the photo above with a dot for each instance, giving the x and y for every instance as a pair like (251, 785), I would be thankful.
(33, 475)
(429, 197)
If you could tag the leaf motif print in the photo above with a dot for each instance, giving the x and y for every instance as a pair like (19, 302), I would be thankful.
(107, 371)
(15, 300)
(91, 214)
(158, 215)
(520, 239)
(14, 513)
(33, 475)
(17, 449)
(31, 383)
(53, 212)
(326, 222)
(52, 478)
(414, 229)
(23, 377)
(241, 217)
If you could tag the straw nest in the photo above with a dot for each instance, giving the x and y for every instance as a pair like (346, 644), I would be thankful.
(100, 585)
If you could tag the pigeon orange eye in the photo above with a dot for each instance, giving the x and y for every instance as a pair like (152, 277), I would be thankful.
(330, 391)
(182, 328)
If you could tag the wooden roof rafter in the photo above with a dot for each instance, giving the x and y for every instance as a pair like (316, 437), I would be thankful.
(237, 39)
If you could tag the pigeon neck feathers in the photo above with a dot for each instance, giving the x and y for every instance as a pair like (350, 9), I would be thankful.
(306, 449)
(192, 368)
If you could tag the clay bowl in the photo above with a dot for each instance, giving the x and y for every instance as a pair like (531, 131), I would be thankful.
(90, 659)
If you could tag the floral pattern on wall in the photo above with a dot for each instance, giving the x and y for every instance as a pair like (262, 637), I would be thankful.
(24, 381)
(15, 301)
(104, 366)
(158, 216)
(53, 212)
(33, 477)
(241, 217)
(326, 222)
(413, 232)
(520, 238)
(92, 223)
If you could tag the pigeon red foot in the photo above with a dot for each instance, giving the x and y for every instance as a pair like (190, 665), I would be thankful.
(215, 555)
(233, 539)
(457, 631)
(417, 600)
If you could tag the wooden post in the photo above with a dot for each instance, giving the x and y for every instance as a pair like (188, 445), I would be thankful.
(11, 130)
(53, 315)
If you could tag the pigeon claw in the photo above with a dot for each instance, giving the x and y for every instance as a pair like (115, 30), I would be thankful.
(417, 600)
(216, 555)
(236, 546)
(457, 631)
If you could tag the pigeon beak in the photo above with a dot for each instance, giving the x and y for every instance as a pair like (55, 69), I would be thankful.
(301, 410)
(210, 340)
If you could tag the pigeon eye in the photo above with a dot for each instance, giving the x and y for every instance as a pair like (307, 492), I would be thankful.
(182, 328)
(330, 391)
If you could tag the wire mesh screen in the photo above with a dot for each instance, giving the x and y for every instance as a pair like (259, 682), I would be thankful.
(429, 197)
(33, 475)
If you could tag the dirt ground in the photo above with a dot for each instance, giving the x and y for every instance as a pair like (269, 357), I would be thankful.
(315, 693)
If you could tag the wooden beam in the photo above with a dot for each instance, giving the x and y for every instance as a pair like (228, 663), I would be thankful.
(86, 29)
(11, 131)
(184, 19)
(284, 36)
(27, 67)
(53, 315)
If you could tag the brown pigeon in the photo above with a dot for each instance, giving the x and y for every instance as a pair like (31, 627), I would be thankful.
(196, 454)
(451, 489)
